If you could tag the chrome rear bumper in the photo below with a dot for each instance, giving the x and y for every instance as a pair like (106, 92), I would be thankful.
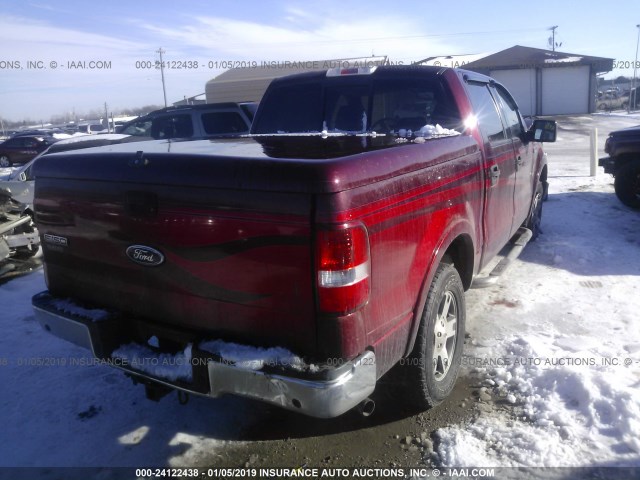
(325, 395)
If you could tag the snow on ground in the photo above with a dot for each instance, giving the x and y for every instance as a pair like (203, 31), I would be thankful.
(556, 346)
(549, 346)
(58, 407)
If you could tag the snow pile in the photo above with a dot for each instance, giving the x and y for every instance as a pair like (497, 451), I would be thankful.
(255, 358)
(563, 60)
(566, 406)
(160, 365)
(556, 344)
(68, 306)
(428, 131)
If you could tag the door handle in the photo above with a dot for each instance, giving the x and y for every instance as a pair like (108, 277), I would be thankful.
(519, 161)
(494, 174)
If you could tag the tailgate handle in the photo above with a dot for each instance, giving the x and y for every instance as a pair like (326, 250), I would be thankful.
(141, 204)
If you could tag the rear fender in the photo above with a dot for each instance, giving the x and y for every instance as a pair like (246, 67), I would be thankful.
(457, 230)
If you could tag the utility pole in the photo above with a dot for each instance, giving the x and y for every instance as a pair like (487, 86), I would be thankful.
(106, 117)
(553, 37)
(164, 90)
(633, 93)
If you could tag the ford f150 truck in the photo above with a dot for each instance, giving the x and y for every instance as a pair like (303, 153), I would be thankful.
(300, 264)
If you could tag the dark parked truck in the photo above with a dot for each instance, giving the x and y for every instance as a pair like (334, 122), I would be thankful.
(623, 162)
(300, 264)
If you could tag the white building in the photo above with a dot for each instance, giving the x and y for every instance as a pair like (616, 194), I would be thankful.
(544, 82)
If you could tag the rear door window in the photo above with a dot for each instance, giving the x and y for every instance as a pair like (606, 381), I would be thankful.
(140, 128)
(215, 123)
(172, 126)
(486, 112)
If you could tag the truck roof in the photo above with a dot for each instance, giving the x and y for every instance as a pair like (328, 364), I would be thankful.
(381, 71)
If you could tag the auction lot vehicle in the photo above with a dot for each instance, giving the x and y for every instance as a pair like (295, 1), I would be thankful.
(22, 148)
(297, 265)
(623, 162)
(18, 237)
(193, 121)
(21, 181)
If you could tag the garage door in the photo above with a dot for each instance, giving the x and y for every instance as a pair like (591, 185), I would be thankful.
(565, 90)
(522, 86)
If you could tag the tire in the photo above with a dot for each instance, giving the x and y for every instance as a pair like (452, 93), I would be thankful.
(535, 217)
(432, 368)
(5, 162)
(627, 184)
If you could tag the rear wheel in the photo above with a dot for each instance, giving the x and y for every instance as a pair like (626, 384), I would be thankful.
(5, 161)
(627, 184)
(432, 368)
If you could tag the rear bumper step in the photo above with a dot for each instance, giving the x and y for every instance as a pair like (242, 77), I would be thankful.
(609, 164)
(322, 395)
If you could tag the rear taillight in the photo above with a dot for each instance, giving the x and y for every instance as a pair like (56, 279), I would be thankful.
(343, 268)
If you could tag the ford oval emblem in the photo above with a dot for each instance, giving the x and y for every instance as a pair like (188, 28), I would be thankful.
(144, 255)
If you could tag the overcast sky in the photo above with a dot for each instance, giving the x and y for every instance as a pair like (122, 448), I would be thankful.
(122, 38)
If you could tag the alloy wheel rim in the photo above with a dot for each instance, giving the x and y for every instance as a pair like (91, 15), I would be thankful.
(445, 335)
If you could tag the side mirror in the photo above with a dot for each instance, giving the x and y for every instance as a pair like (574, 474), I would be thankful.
(542, 131)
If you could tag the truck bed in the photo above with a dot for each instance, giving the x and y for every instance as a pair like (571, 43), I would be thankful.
(233, 226)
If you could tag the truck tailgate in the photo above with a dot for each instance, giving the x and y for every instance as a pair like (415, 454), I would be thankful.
(203, 249)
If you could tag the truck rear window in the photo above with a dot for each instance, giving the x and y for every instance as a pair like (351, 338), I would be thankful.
(292, 109)
(358, 105)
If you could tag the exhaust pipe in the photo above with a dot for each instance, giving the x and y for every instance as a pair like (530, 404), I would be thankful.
(366, 407)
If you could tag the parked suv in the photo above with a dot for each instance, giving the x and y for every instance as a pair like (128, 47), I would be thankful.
(194, 121)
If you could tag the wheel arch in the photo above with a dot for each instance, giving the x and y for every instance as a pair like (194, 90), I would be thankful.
(457, 247)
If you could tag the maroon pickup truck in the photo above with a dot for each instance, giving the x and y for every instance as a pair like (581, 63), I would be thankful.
(297, 265)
